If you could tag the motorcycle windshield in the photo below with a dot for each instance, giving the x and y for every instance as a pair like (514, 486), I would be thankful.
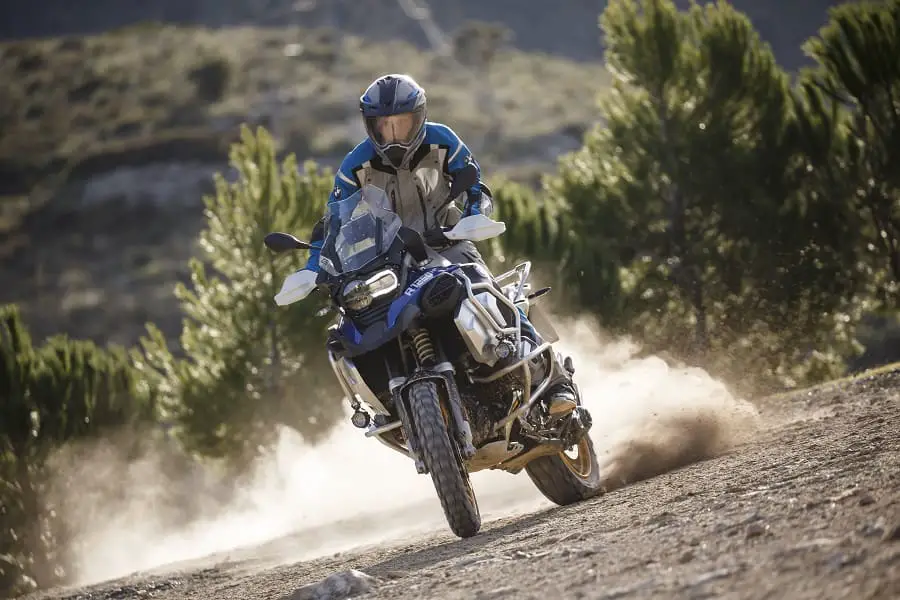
(359, 229)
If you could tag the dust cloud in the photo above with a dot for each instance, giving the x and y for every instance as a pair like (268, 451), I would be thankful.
(648, 418)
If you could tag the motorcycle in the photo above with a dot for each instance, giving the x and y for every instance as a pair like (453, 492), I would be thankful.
(432, 358)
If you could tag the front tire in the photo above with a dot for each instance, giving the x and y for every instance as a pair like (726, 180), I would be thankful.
(566, 480)
(448, 473)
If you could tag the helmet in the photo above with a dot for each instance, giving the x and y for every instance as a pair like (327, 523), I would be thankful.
(393, 110)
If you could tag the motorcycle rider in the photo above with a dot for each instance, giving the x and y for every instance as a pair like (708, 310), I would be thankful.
(414, 160)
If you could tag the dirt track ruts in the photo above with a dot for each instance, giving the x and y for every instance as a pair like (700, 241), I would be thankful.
(809, 509)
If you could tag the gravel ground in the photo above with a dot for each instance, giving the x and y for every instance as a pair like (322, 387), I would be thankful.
(810, 508)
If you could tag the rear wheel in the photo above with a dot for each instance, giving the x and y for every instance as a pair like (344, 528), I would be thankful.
(448, 473)
(565, 479)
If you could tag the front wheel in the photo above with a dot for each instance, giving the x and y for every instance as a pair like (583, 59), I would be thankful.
(564, 479)
(450, 477)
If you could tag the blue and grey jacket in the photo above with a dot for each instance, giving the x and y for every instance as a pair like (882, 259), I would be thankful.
(416, 193)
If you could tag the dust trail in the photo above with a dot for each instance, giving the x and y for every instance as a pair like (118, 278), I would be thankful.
(648, 418)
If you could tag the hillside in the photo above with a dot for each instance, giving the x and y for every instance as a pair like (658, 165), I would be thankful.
(115, 137)
(566, 28)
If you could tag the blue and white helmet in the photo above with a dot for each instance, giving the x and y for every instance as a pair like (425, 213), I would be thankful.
(393, 110)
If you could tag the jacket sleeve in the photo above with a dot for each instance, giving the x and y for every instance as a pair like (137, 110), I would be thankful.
(478, 197)
(345, 185)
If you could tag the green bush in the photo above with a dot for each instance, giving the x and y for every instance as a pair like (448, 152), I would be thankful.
(250, 365)
(50, 396)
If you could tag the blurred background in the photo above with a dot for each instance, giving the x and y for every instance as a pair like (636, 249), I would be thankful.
(115, 113)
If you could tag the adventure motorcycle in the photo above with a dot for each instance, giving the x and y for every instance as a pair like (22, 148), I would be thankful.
(432, 358)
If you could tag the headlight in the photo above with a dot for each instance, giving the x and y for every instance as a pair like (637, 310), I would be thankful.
(359, 294)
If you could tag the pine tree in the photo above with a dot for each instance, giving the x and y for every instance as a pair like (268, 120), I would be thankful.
(249, 365)
(858, 69)
(681, 220)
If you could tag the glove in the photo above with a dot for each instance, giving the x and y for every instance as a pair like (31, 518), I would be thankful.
(436, 237)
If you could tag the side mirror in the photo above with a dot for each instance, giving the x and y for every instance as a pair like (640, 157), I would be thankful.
(282, 242)
(413, 242)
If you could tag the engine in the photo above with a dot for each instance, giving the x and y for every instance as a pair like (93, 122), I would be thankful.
(488, 403)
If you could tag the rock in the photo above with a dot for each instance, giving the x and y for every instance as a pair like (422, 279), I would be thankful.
(879, 528)
(891, 533)
(501, 592)
(869, 530)
(755, 530)
(686, 557)
(839, 560)
(844, 495)
(662, 519)
(751, 518)
(469, 560)
(704, 578)
(345, 584)
(866, 499)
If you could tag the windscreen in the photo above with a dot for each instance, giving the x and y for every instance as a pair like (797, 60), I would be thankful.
(359, 229)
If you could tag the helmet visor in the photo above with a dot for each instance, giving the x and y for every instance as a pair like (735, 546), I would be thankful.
(395, 129)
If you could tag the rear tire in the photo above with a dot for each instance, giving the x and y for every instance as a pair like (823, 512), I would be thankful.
(448, 473)
(564, 480)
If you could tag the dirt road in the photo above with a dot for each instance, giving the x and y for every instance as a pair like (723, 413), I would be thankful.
(809, 509)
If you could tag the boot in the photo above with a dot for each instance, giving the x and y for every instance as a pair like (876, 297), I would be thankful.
(561, 399)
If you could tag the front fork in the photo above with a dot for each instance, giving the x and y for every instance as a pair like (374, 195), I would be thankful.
(443, 374)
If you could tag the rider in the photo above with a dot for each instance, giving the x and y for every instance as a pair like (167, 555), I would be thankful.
(414, 161)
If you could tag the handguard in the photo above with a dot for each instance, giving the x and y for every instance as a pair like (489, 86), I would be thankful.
(296, 287)
(476, 228)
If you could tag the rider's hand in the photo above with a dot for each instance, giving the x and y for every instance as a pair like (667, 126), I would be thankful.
(435, 237)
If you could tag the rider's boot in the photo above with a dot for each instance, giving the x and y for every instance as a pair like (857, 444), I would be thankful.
(563, 400)
(561, 397)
